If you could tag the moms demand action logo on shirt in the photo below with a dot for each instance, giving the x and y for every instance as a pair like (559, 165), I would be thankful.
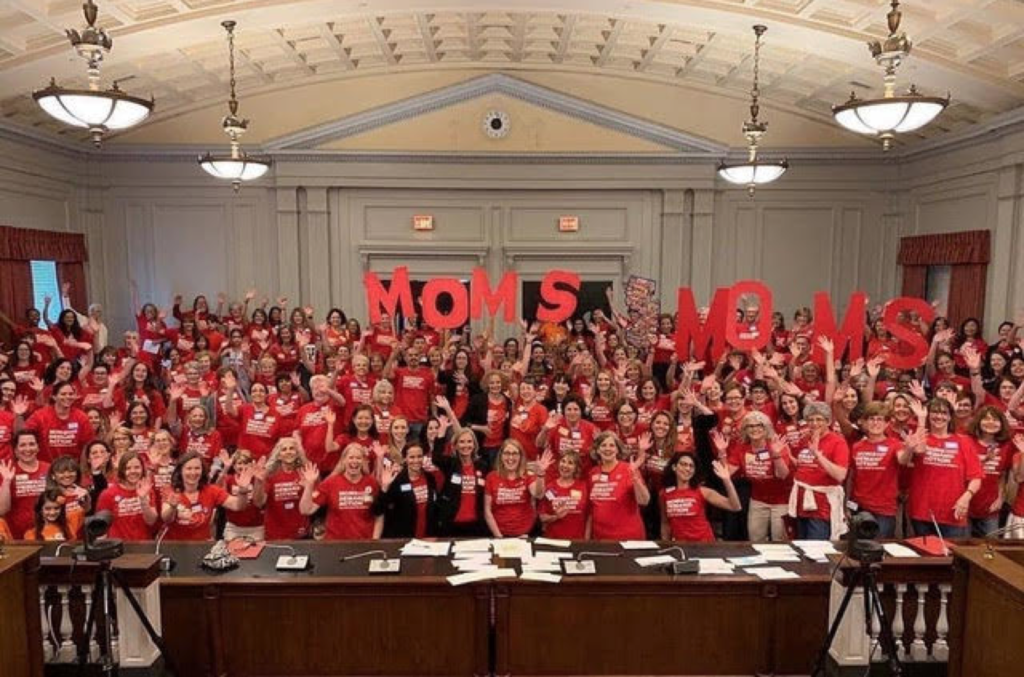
(710, 331)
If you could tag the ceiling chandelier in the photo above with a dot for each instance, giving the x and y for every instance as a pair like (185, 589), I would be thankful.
(892, 114)
(754, 171)
(98, 110)
(235, 166)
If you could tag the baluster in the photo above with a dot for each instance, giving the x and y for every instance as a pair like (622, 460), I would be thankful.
(940, 650)
(897, 622)
(45, 617)
(94, 646)
(875, 652)
(66, 653)
(918, 649)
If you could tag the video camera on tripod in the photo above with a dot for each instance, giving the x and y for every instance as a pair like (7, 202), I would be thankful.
(97, 548)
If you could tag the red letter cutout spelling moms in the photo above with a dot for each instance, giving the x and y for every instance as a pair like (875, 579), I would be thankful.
(709, 337)
(556, 303)
(398, 292)
(460, 304)
(912, 348)
(852, 332)
(480, 293)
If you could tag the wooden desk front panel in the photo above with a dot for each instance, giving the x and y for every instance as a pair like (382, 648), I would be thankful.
(327, 629)
(21, 638)
(682, 627)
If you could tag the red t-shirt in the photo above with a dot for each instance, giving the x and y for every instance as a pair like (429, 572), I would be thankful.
(6, 434)
(574, 499)
(312, 427)
(759, 468)
(511, 503)
(251, 516)
(348, 507)
(282, 519)
(60, 437)
(421, 492)
(497, 414)
(355, 392)
(993, 467)
(683, 507)
(258, 431)
(940, 476)
(413, 388)
(25, 489)
(192, 520)
(601, 414)
(876, 474)
(207, 444)
(525, 426)
(615, 514)
(126, 507)
(93, 396)
(471, 480)
(579, 439)
(808, 471)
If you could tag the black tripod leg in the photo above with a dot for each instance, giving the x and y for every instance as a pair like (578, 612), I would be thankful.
(819, 663)
(90, 625)
(885, 637)
(150, 630)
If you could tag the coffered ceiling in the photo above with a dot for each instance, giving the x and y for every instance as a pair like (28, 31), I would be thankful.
(814, 53)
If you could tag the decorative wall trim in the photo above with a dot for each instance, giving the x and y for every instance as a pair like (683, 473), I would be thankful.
(496, 83)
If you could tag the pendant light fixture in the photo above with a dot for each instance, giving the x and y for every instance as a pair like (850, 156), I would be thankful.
(754, 171)
(892, 114)
(96, 109)
(235, 166)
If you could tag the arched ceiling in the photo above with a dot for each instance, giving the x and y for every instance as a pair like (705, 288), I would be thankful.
(814, 54)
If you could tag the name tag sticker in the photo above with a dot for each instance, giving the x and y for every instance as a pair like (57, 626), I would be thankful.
(456, 479)
(406, 487)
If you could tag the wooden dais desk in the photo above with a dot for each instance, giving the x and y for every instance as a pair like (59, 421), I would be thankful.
(21, 638)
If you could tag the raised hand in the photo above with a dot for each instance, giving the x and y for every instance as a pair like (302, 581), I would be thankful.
(204, 388)
(244, 479)
(229, 381)
(388, 473)
(310, 474)
(329, 416)
(144, 487)
(1018, 441)
(7, 470)
(721, 470)
(553, 418)
(379, 450)
(36, 384)
(443, 423)
(720, 441)
(260, 470)
(225, 458)
(176, 391)
(545, 461)
(646, 442)
(442, 403)
(971, 356)
(19, 407)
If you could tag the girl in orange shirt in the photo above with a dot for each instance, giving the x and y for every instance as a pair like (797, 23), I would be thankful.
(51, 519)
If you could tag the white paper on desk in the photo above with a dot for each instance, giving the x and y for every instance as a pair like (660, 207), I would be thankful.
(513, 548)
(780, 557)
(418, 548)
(716, 565)
(898, 550)
(771, 573)
(549, 566)
(549, 554)
(474, 576)
(750, 561)
(774, 548)
(827, 547)
(540, 576)
(639, 545)
(552, 542)
(475, 545)
(655, 560)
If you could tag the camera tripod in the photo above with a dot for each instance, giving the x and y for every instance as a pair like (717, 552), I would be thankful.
(865, 578)
(106, 579)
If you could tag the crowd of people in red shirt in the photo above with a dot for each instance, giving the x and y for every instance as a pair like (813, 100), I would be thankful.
(276, 424)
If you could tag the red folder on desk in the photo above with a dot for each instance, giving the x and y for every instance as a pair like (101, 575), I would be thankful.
(243, 549)
(930, 545)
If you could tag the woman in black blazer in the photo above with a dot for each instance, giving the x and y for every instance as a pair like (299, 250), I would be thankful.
(489, 414)
(460, 501)
(408, 497)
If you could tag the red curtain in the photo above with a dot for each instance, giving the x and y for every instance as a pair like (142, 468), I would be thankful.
(914, 280)
(15, 293)
(967, 292)
(74, 273)
(24, 244)
(946, 249)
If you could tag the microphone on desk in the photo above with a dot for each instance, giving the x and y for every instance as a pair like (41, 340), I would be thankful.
(291, 561)
(579, 566)
(166, 561)
(387, 565)
(684, 566)
(990, 552)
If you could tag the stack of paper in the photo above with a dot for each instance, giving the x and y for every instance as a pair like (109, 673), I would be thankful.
(716, 566)
(777, 552)
(749, 561)
(418, 548)
(897, 550)
(512, 548)
(545, 561)
(475, 545)
(486, 575)
(638, 545)
(655, 560)
(771, 573)
(552, 542)
(817, 550)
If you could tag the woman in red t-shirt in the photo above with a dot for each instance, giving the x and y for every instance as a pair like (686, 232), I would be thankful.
(683, 498)
(563, 508)
(348, 495)
(616, 491)
(510, 491)
(817, 497)
(650, 401)
(246, 523)
(159, 459)
(189, 504)
(139, 421)
(991, 433)
(259, 426)
(1015, 521)
(21, 482)
(489, 413)
(946, 475)
(130, 501)
(279, 492)
(601, 400)
(764, 460)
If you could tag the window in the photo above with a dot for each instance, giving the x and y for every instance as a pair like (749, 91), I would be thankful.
(44, 283)
(936, 286)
